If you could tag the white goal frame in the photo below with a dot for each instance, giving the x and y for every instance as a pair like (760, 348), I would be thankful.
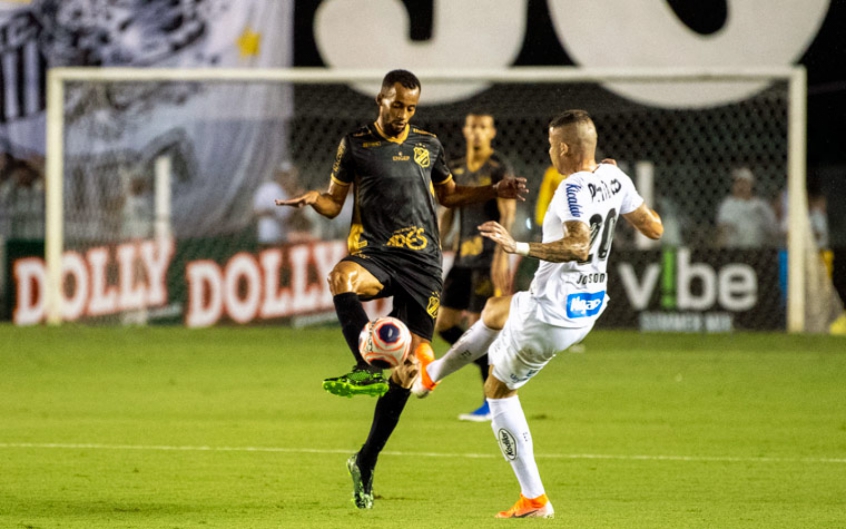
(795, 76)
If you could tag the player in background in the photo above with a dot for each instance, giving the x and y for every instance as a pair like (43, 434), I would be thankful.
(523, 332)
(397, 171)
(481, 268)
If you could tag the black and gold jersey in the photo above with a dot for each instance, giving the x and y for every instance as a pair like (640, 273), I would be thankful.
(393, 179)
(473, 249)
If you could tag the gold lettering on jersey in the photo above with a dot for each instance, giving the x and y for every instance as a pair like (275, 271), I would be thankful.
(421, 156)
(472, 246)
(354, 242)
(485, 181)
(369, 144)
(458, 171)
(399, 157)
(411, 238)
(339, 155)
(434, 305)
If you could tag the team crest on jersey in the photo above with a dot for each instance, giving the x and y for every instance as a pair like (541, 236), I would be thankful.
(434, 305)
(421, 156)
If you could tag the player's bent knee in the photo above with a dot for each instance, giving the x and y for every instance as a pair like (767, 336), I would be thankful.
(447, 318)
(496, 389)
(351, 277)
(340, 279)
(496, 311)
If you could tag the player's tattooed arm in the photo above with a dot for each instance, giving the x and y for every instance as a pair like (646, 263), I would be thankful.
(574, 246)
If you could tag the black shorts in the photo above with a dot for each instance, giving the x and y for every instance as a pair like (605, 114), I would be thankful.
(467, 288)
(416, 289)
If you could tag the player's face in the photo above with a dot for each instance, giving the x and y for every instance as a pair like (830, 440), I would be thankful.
(742, 187)
(397, 106)
(479, 131)
(557, 149)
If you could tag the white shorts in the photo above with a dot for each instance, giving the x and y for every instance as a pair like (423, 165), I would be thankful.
(526, 344)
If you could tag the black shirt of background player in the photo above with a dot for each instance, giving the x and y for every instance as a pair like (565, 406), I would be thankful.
(475, 251)
(394, 195)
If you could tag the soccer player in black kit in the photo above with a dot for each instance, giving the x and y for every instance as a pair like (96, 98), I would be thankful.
(397, 171)
(481, 268)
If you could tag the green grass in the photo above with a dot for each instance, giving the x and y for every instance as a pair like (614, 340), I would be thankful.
(228, 428)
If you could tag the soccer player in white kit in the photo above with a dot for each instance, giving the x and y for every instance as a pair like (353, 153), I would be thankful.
(523, 332)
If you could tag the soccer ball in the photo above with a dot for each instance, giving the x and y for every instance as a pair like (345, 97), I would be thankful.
(384, 342)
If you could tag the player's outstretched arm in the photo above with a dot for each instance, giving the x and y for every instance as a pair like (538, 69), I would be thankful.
(574, 246)
(500, 265)
(646, 221)
(452, 195)
(328, 204)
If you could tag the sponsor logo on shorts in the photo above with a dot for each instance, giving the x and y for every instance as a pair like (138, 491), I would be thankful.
(523, 376)
(507, 444)
(584, 304)
(434, 305)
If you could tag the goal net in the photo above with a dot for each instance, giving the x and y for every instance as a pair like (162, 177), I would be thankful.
(153, 174)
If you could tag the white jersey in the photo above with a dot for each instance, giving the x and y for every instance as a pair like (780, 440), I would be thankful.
(573, 294)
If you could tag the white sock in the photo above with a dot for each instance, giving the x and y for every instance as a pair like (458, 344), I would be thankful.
(512, 433)
(472, 345)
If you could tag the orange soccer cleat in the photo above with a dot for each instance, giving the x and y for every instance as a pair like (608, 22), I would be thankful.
(423, 384)
(529, 508)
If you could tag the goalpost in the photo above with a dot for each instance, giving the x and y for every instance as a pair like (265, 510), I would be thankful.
(319, 108)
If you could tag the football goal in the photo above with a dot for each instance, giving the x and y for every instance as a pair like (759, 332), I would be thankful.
(151, 176)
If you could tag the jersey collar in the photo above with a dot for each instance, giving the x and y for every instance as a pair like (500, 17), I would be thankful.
(399, 139)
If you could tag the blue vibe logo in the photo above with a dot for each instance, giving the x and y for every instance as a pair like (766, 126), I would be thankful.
(584, 305)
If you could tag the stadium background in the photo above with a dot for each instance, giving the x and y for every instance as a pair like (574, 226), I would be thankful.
(212, 36)
(163, 426)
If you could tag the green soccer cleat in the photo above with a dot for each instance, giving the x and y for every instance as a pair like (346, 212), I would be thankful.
(362, 491)
(359, 381)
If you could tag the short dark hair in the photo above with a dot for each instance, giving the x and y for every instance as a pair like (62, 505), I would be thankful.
(403, 77)
(569, 117)
(480, 112)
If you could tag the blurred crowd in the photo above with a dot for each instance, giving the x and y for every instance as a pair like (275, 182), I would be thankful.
(282, 225)
(22, 206)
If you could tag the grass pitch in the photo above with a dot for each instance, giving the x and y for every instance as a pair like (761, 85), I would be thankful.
(229, 428)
